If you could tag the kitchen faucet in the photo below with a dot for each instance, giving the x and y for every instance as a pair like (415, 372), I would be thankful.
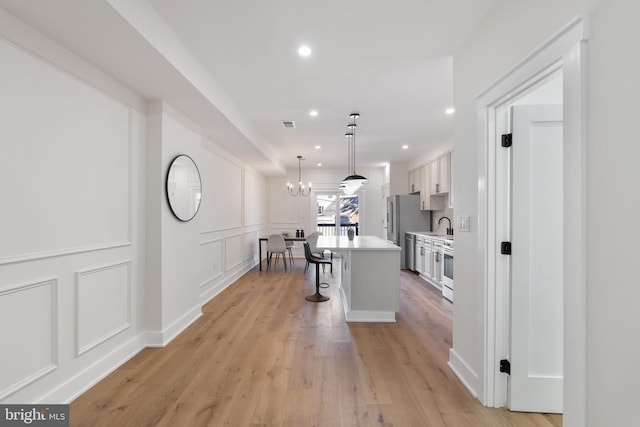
(449, 229)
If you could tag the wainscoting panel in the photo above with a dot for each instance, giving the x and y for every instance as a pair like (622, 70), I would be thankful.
(233, 252)
(250, 247)
(70, 171)
(103, 304)
(28, 315)
(221, 207)
(211, 261)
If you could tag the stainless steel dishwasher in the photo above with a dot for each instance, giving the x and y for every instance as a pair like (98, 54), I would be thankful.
(409, 245)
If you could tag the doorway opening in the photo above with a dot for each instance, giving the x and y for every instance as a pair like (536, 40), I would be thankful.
(565, 52)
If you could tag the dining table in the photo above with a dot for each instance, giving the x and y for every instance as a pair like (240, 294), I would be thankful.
(286, 239)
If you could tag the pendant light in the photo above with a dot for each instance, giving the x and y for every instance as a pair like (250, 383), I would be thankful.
(352, 182)
(300, 191)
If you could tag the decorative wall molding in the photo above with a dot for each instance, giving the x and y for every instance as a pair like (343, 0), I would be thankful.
(90, 115)
(112, 326)
(254, 227)
(219, 230)
(230, 261)
(219, 261)
(94, 373)
(63, 252)
(225, 282)
(27, 329)
(130, 180)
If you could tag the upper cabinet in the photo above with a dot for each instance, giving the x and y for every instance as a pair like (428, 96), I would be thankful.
(433, 182)
(415, 181)
(428, 203)
(440, 174)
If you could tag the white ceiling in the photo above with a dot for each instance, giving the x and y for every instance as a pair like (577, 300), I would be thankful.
(233, 67)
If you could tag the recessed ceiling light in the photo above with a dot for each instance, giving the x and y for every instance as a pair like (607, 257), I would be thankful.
(319, 164)
(405, 147)
(304, 51)
(313, 113)
(318, 147)
(450, 110)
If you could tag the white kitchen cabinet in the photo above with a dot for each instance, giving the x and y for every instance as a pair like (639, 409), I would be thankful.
(428, 259)
(415, 180)
(419, 254)
(428, 203)
(440, 175)
(451, 180)
(436, 276)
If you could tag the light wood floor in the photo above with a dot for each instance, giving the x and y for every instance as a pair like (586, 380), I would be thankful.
(263, 356)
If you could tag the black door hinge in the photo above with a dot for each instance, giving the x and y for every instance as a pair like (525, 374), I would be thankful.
(505, 248)
(505, 366)
(507, 139)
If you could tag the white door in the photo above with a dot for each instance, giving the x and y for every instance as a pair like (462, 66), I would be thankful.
(536, 353)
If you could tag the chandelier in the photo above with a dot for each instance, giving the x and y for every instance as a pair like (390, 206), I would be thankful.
(353, 181)
(301, 190)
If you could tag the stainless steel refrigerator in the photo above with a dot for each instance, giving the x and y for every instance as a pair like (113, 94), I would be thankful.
(404, 214)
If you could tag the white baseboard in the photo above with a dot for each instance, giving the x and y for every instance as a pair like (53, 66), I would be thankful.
(225, 282)
(366, 316)
(371, 316)
(161, 339)
(464, 373)
(83, 381)
(430, 281)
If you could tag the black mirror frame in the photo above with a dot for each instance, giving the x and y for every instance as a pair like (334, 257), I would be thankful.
(166, 188)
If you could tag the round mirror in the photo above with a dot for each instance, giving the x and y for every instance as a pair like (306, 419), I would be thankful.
(184, 188)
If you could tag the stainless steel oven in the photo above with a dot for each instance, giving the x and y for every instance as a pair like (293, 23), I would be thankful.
(447, 270)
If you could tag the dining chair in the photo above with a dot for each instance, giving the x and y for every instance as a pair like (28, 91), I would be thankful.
(276, 244)
(289, 246)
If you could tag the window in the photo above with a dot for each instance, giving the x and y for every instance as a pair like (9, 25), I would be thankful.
(336, 213)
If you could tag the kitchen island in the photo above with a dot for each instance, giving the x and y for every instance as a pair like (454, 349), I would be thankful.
(369, 276)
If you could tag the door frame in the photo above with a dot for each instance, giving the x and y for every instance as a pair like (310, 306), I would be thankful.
(566, 50)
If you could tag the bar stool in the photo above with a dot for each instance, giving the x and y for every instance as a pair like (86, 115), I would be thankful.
(317, 297)
(312, 239)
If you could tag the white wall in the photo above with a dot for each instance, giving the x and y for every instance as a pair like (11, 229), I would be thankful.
(71, 252)
(611, 176)
(93, 265)
(287, 213)
(232, 217)
(173, 292)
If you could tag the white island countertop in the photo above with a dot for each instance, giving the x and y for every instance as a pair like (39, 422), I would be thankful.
(369, 277)
(361, 243)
